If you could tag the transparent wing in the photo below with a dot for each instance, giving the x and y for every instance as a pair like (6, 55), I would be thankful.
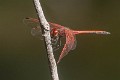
(69, 45)
(30, 20)
(54, 25)
(34, 25)
(36, 31)
(75, 43)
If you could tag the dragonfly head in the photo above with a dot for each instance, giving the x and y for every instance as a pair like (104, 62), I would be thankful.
(54, 32)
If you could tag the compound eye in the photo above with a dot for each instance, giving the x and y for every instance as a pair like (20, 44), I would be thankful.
(54, 32)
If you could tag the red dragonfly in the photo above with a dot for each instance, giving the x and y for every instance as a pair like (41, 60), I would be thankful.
(58, 31)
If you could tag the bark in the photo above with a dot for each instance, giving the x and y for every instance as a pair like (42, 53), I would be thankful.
(46, 34)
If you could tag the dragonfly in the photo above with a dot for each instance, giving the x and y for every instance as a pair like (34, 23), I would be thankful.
(58, 31)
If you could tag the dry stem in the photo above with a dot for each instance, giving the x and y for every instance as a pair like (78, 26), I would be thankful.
(46, 33)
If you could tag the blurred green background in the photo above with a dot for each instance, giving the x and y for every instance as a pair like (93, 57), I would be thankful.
(96, 57)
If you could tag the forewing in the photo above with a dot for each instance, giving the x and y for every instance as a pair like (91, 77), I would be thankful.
(31, 21)
(54, 25)
(70, 43)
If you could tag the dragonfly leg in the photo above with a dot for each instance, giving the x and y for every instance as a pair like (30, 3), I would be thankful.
(56, 42)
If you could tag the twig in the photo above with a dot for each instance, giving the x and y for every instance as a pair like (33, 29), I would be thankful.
(46, 33)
